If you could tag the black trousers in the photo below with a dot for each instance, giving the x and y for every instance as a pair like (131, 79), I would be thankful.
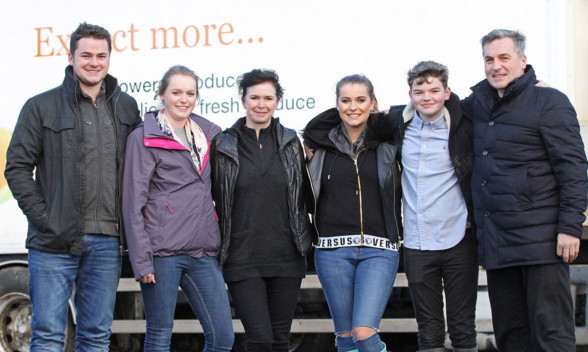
(532, 308)
(455, 271)
(266, 308)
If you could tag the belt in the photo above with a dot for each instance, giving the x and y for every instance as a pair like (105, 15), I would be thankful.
(355, 241)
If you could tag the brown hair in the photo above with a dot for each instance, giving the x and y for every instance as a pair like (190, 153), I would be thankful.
(421, 72)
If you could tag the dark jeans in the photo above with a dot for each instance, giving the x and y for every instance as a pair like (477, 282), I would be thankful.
(266, 308)
(454, 270)
(532, 308)
(202, 282)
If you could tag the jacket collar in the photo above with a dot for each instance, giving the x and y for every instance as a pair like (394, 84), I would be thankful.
(484, 90)
(154, 137)
(72, 86)
(283, 135)
(151, 127)
(343, 143)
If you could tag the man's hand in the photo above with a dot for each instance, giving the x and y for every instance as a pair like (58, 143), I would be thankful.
(568, 247)
(148, 279)
(308, 151)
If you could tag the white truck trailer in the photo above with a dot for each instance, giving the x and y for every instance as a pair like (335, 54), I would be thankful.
(311, 44)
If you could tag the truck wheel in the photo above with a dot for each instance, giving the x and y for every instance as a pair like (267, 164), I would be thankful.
(16, 312)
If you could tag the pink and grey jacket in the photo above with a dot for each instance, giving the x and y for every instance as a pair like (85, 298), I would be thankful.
(167, 205)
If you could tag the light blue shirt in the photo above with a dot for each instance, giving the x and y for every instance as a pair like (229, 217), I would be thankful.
(435, 212)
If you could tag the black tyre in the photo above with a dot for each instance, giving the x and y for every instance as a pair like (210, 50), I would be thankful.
(16, 312)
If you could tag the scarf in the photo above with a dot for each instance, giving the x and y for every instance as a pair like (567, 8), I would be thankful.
(198, 144)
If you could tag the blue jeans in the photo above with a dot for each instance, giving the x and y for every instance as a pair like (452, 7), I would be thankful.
(202, 282)
(357, 282)
(94, 276)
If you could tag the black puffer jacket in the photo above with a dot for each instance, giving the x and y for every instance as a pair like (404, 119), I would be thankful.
(48, 139)
(529, 180)
(387, 148)
(225, 167)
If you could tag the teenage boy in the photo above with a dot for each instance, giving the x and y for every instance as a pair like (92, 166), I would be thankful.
(439, 248)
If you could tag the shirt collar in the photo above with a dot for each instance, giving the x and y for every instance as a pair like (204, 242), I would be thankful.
(439, 123)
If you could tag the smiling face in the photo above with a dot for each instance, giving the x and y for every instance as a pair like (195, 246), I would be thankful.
(260, 102)
(428, 98)
(179, 98)
(502, 63)
(90, 63)
(354, 105)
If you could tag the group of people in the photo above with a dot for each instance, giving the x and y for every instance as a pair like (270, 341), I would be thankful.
(498, 180)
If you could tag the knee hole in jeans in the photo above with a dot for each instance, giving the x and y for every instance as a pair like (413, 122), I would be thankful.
(363, 332)
(343, 334)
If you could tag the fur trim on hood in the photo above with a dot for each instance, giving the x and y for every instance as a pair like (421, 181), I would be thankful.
(452, 104)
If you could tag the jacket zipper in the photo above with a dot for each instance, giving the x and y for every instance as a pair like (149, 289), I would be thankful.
(360, 197)
(81, 161)
(169, 208)
(99, 157)
(118, 165)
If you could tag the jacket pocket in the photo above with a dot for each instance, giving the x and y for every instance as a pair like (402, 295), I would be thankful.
(127, 117)
(125, 121)
(522, 187)
(59, 136)
(154, 214)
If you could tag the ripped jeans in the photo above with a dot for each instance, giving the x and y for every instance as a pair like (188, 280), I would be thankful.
(357, 282)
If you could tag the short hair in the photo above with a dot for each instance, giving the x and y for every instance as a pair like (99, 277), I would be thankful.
(176, 70)
(518, 38)
(86, 30)
(356, 79)
(421, 72)
(258, 76)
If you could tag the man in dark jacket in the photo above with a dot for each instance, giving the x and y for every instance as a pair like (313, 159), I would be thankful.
(439, 250)
(529, 190)
(73, 137)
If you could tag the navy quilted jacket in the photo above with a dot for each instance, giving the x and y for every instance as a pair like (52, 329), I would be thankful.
(529, 181)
